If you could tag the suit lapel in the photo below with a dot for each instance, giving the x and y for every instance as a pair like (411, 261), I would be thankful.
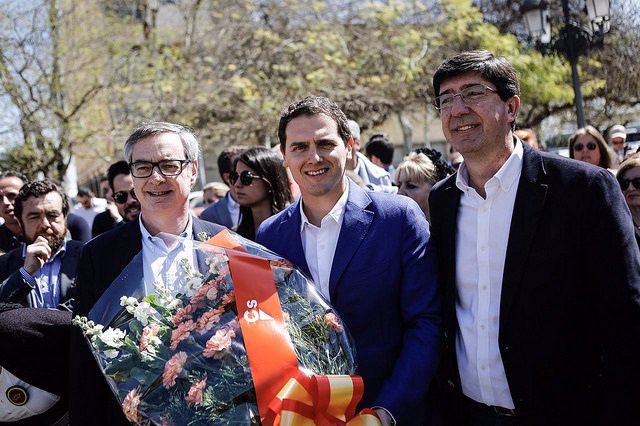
(527, 209)
(445, 230)
(289, 231)
(68, 269)
(355, 224)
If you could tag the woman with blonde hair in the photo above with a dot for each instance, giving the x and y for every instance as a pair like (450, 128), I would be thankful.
(415, 176)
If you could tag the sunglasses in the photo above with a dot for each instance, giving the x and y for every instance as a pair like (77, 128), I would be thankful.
(591, 146)
(121, 197)
(624, 183)
(246, 177)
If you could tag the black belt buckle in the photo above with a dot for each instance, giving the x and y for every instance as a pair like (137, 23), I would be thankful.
(501, 411)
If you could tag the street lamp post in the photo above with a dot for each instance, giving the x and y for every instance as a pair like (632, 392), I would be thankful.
(572, 40)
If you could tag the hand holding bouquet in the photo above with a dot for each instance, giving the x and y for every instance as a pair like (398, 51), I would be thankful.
(188, 356)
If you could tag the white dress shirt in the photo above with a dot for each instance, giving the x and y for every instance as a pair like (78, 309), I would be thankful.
(481, 246)
(319, 244)
(166, 259)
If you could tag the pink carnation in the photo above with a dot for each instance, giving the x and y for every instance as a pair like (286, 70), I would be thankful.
(198, 298)
(148, 333)
(331, 319)
(218, 342)
(172, 368)
(194, 396)
(212, 293)
(208, 320)
(183, 314)
(181, 333)
(130, 406)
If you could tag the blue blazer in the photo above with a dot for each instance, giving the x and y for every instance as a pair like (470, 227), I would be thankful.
(383, 285)
(570, 301)
(219, 213)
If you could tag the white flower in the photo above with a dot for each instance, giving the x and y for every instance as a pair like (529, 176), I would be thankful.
(111, 353)
(112, 337)
(143, 312)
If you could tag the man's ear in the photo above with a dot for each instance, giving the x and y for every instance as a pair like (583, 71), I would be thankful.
(194, 172)
(513, 106)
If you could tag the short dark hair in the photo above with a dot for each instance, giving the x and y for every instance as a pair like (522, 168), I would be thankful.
(495, 69)
(39, 188)
(84, 191)
(13, 173)
(381, 146)
(226, 157)
(118, 168)
(313, 105)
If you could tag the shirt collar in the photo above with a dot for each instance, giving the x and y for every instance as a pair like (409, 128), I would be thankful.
(146, 235)
(336, 213)
(505, 177)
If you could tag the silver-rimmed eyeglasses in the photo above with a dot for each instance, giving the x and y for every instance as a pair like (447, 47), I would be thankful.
(167, 168)
(469, 95)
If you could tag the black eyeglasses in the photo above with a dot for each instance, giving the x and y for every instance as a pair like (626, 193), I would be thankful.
(121, 197)
(246, 177)
(624, 183)
(167, 168)
(591, 146)
(469, 96)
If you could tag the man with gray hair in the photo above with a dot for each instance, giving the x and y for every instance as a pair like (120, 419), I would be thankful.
(163, 159)
(374, 177)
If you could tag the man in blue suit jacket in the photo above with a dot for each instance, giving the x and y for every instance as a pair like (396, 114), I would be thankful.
(163, 159)
(368, 253)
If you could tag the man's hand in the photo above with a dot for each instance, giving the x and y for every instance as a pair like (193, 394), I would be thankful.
(37, 254)
(113, 211)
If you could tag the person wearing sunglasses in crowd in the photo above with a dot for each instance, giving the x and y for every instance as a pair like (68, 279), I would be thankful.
(261, 186)
(629, 179)
(163, 161)
(588, 145)
(125, 208)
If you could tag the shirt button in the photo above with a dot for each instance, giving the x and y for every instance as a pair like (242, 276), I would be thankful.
(482, 327)
(484, 287)
(483, 248)
(483, 367)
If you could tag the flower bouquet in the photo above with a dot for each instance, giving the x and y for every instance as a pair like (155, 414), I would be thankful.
(217, 344)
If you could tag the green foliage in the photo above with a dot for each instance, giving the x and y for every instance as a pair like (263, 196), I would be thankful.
(228, 67)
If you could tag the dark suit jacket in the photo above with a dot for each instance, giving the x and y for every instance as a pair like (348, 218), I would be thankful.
(219, 213)
(383, 285)
(14, 289)
(78, 228)
(103, 258)
(102, 223)
(569, 312)
(7, 240)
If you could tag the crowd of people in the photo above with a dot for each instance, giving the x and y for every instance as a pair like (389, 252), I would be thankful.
(498, 286)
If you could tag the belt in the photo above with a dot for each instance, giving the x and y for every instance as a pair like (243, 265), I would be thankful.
(492, 409)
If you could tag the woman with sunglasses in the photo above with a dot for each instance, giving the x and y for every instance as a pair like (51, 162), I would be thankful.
(629, 179)
(588, 145)
(261, 187)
